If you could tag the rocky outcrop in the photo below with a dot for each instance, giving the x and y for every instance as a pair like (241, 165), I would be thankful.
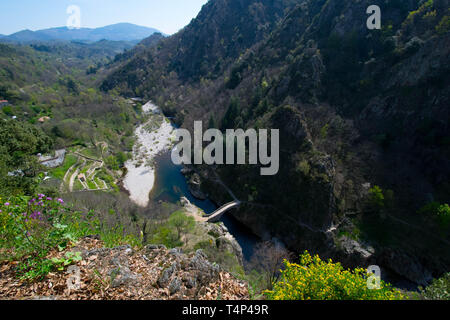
(123, 272)
(353, 253)
(216, 233)
(194, 183)
(405, 265)
(224, 240)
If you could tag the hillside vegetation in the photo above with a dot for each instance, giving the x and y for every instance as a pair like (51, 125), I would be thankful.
(363, 115)
(364, 148)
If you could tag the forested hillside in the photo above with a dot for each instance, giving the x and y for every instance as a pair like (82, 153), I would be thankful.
(53, 217)
(50, 89)
(363, 116)
(86, 180)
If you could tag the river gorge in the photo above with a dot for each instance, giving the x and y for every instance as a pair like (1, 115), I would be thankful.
(152, 176)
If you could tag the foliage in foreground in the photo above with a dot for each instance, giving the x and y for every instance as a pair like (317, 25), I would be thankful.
(314, 279)
(438, 290)
(30, 228)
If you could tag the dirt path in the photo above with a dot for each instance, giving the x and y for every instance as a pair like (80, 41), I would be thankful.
(193, 211)
(72, 179)
(65, 177)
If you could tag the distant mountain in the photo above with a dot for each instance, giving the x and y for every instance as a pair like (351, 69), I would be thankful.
(25, 36)
(116, 32)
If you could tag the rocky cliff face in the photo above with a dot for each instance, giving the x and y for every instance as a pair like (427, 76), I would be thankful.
(355, 108)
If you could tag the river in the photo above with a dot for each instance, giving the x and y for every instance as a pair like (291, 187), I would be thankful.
(164, 181)
(170, 185)
(151, 171)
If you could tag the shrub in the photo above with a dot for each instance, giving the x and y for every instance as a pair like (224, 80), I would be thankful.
(438, 290)
(267, 260)
(111, 162)
(444, 26)
(443, 215)
(166, 236)
(32, 224)
(32, 227)
(181, 223)
(376, 198)
(7, 110)
(437, 211)
(324, 131)
(314, 279)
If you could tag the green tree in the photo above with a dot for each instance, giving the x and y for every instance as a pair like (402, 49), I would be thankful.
(211, 122)
(443, 215)
(111, 162)
(232, 113)
(182, 223)
(437, 211)
(19, 166)
(72, 86)
(121, 158)
(376, 198)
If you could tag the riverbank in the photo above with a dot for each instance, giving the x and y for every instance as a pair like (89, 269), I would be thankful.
(152, 176)
(153, 137)
(171, 185)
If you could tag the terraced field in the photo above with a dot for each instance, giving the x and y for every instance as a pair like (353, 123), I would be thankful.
(83, 170)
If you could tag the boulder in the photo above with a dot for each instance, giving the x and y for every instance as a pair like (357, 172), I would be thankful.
(405, 265)
(194, 185)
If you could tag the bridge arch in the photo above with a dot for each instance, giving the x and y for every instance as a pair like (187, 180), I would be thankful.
(216, 215)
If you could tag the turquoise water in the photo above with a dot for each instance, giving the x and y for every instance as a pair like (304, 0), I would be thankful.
(171, 185)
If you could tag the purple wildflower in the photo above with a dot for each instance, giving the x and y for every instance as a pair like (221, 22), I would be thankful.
(60, 200)
(7, 204)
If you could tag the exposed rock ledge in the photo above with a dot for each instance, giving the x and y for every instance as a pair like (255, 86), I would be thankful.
(194, 183)
(224, 240)
(124, 273)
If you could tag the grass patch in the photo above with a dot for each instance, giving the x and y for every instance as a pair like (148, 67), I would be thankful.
(31, 227)
(69, 161)
(77, 186)
(91, 185)
(91, 153)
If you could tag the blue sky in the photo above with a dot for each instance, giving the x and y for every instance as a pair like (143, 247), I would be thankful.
(166, 15)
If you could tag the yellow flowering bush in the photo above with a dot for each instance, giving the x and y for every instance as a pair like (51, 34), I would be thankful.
(314, 279)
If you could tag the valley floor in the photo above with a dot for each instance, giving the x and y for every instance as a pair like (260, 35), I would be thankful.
(152, 138)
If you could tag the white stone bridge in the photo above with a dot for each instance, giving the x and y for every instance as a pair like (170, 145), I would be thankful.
(216, 215)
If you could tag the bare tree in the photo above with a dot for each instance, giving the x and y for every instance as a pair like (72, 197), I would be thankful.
(144, 232)
(267, 260)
